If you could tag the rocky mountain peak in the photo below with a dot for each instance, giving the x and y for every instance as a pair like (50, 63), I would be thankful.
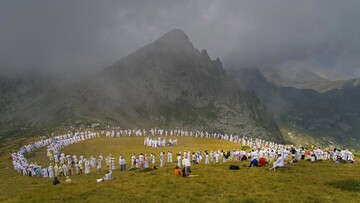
(175, 36)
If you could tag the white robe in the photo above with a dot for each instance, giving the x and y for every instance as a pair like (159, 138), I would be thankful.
(87, 167)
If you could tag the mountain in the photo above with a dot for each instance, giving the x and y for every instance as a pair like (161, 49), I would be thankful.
(308, 116)
(302, 78)
(167, 83)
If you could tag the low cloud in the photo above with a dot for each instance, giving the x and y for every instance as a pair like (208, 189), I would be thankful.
(85, 36)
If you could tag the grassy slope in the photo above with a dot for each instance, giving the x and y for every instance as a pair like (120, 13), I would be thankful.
(303, 182)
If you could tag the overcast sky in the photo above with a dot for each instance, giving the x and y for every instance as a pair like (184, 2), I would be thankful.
(57, 36)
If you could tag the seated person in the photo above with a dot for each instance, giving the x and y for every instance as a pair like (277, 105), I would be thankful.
(56, 181)
(262, 161)
(108, 175)
(177, 171)
(68, 180)
(279, 163)
(183, 174)
(254, 162)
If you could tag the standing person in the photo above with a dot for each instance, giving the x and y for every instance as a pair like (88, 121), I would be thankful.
(152, 158)
(193, 158)
(302, 152)
(179, 159)
(65, 170)
(133, 158)
(100, 158)
(113, 167)
(120, 160)
(77, 167)
(162, 159)
(122, 164)
(207, 160)
(169, 159)
(186, 164)
(56, 168)
(45, 173)
(87, 167)
(81, 165)
(141, 160)
(98, 165)
(146, 161)
(51, 172)
(61, 171)
(217, 154)
(293, 153)
(72, 167)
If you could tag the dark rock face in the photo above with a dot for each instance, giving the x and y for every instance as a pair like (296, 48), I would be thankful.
(167, 83)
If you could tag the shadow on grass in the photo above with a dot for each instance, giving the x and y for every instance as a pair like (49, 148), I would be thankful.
(348, 185)
(247, 200)
(144, 170)
(141, 170)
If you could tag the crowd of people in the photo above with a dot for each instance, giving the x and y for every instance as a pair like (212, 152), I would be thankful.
(158, 142)
(261, 153)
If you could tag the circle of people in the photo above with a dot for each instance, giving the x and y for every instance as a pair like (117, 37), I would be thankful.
(261, 153)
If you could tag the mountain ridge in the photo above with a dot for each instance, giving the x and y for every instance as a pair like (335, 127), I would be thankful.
(302, 78)
(305, 115)
(166, 83)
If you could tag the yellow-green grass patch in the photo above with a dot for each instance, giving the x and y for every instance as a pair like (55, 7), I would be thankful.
(301, 182)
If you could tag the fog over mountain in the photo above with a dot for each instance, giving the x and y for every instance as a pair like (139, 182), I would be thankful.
(286, 71)
(83, 37)
(166, 83)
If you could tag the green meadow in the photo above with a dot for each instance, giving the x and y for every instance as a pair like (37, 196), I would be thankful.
(323, 181)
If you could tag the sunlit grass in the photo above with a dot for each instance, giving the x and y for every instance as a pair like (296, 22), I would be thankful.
(301, 182)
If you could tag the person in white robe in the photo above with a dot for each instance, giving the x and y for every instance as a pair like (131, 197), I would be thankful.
(51, 171)
(278, 164)
(146, 161)
(87, 167)
(122, 164)
(152, 158)
(99, 164)
(162, 159)
(56, 170)
(207, 160)
(113, 166)
(45, 173)
(179, 159)
(65, 170)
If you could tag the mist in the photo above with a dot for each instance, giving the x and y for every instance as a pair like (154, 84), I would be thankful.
(83, 37)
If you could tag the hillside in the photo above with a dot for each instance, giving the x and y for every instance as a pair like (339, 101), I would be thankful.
(307, 116)
(167, 83)
(302, 78)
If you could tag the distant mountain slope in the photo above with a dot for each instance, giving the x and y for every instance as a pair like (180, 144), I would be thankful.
(167, 83)
(329, 118)
(19, 92)
(301, 78)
